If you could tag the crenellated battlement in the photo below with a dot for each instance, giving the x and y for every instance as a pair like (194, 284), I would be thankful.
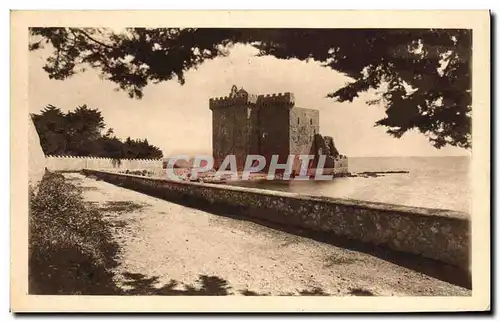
(97, 158)
(227, 101)
(242, 98)
(282, 99)
(77, 163)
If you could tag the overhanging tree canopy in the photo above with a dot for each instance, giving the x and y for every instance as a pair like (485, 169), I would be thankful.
(425, 74)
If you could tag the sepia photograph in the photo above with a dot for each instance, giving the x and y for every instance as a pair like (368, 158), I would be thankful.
(249, 164)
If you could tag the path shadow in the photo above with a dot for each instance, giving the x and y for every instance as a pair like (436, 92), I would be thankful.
(334, 260)
(139, 284)
(361, 292)
(427, 266)
(252, 293)
(122, 206)
(317, 291)
(74, 180)
(89, 188)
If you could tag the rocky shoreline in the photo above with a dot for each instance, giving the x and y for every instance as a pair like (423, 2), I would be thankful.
(375, 174)
(209, 178)
(258, 177)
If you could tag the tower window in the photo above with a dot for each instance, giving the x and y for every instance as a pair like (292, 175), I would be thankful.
(298, 120)
(311, 121)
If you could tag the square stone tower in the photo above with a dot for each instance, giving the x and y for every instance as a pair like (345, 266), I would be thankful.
(231, 126)
(267, 125)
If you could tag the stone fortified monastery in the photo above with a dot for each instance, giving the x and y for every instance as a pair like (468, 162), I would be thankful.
(242, 124)
(267, 125)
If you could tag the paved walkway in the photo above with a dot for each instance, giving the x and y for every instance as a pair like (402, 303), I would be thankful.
(166, 248)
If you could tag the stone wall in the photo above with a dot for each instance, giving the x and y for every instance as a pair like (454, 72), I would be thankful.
(341, 165)
(273, 130)
(36, 157)
(69, 163)
(304, 126)
(438, 234)
(230, 134)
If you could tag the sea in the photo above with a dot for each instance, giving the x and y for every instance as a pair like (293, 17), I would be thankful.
(431, 182)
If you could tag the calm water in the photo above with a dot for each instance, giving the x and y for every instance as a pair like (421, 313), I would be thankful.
(431, 182)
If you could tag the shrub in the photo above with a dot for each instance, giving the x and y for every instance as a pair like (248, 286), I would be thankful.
(70, 248)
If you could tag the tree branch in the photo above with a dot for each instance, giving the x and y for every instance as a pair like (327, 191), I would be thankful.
(93, 39)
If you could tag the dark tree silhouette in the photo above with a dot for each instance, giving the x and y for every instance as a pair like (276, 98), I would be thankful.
(79, 133)
(51, 127)
(424, 74)
(83, 128)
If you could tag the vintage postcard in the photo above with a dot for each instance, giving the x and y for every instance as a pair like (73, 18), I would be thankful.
(250, 161)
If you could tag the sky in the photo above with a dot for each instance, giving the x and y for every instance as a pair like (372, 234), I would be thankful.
(177, 118)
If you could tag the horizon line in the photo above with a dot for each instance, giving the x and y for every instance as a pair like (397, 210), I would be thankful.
(354, 156)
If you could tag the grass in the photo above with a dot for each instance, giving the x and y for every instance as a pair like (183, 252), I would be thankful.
(122, 206)
(70, 246)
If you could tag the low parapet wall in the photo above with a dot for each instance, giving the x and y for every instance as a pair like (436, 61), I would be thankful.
(438, 234)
